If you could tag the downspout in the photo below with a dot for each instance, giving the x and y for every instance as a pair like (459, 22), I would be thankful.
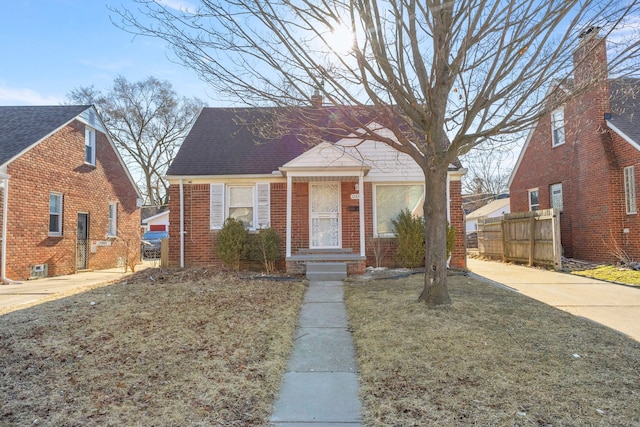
(181, 224)
(3, 236)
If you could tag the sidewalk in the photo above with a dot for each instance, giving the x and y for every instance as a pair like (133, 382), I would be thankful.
(615, 306)
(31, 292)
(321, 385)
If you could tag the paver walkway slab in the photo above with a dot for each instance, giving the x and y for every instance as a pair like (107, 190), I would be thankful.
(321, 384)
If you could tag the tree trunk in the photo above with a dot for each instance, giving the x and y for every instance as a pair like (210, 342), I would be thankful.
(435, 290)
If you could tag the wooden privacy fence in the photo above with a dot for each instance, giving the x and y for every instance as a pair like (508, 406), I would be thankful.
(525, 237)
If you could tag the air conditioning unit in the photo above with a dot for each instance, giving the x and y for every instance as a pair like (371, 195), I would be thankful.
(39, 270)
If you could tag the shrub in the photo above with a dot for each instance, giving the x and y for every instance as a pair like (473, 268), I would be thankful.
(451, 239)
(232, 240)
(264, 247)
(409, 232)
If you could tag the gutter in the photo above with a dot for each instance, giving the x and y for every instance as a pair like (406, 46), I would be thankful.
(5, 213)
(181, 224)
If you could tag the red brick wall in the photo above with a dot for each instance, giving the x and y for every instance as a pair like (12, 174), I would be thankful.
(200, 240)
(57, 165)
(589, 165)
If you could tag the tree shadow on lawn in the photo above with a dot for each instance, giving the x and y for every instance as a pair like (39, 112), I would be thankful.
(494, 357)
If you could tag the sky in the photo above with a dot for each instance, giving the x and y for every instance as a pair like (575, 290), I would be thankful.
(50, 47)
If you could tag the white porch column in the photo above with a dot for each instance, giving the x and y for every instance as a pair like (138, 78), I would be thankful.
(448, 198)
(289, 193)
(361, 209)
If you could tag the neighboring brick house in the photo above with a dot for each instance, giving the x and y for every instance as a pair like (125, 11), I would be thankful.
(330, 200)
(68, 200)
(581, 159)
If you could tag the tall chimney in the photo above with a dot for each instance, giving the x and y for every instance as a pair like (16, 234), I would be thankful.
(590, 58)
(590, 70)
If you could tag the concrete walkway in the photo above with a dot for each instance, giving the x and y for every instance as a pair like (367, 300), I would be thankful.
(615, 306)
(31, 292)
(321, 385)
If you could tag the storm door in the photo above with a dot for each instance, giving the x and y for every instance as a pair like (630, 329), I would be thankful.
(324, 215)
(82, 251)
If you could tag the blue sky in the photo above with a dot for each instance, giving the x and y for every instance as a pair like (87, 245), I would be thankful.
(49, 47)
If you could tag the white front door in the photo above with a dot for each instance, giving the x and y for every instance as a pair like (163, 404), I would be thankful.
(324, 215)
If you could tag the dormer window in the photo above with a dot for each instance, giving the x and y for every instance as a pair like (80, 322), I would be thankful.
(90, 146)
(557, 127)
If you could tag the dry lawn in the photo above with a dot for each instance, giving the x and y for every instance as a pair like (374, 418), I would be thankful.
(186, 348)
(493, 358)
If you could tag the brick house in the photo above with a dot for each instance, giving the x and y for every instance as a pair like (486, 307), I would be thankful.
(581, 159)
(68, 201)
(332, 200)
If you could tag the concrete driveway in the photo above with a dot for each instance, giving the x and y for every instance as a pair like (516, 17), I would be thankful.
(615, 306)
(32, 292)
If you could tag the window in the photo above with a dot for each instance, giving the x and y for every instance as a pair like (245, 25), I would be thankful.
(248, 203)
(534, 200)
(555, 190)
(557, 127)
(630, 189)
(112, 227)
(390, 200)
(55, 214)
(90, 145)
(240, 204)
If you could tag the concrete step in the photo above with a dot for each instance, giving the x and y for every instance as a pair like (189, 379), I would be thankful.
(326, 271)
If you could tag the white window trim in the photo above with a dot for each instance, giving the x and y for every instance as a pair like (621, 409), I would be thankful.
(56, 233)
(529, 191)
(219, 204)
(554, 142)
(630, 190)
(557, 185)
(228, 206)
(90, 141)
(375, 204)
(112, 222)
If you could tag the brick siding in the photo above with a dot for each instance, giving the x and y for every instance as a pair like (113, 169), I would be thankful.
(57, 165)
(590, 167)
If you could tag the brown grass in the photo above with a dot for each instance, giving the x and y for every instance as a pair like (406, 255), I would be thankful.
(193, 347)
(492, 358)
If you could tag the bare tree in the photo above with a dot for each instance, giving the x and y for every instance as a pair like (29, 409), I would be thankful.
(488, 170)
(447, 75)
(147, 121)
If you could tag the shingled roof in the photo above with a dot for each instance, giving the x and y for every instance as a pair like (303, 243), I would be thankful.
(625, 107)
(23, 126)
(245, 141)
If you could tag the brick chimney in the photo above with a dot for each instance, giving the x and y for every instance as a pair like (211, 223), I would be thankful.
(590, 68)
(316, 100)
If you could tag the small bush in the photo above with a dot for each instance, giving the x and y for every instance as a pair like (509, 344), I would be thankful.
(409, 232)
(451, 239)
(232, 240)
(264, 247)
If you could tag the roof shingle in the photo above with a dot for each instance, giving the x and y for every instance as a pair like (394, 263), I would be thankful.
(22, 126)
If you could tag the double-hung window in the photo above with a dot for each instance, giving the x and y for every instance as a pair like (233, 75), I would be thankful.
(90, 145)
(534, 199)
(557, 127)
(249, 203)
(55, 214)
(112, 224)
(390, 200)
(555, 191)
(630, 190)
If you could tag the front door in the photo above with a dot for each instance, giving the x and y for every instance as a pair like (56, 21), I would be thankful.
(324, 215)
(82, 251)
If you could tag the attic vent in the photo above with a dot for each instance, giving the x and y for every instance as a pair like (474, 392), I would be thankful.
(39, 270)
